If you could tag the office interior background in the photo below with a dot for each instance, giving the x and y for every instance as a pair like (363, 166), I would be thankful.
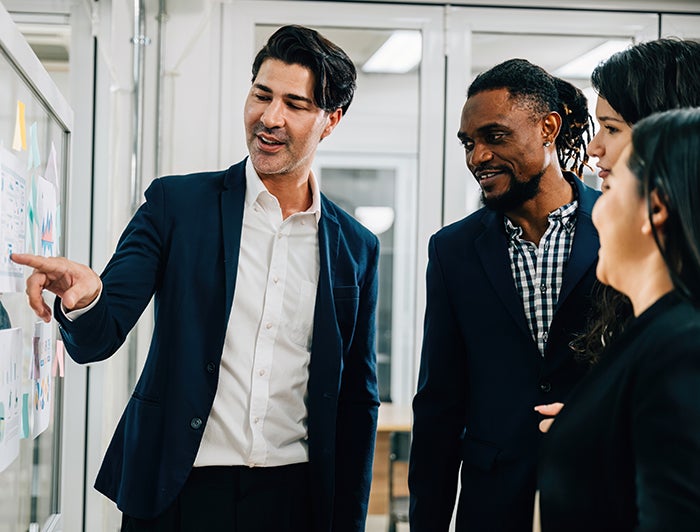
(157, 87)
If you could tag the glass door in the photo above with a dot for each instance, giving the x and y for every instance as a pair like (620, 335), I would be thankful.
(384, 154)
(681, 26)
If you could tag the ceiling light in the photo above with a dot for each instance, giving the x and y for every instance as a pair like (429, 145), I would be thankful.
(399, 54)
(376, 219)
(582, 66)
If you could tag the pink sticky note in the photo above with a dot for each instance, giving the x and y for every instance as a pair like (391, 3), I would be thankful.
(58, 359)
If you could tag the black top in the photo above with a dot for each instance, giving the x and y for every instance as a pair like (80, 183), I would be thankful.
(624, 453)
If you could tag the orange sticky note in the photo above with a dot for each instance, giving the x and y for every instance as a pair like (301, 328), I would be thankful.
(19, 142)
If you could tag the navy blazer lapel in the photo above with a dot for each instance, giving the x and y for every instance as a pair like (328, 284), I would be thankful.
(232, 204)
(584, 249)
(325, 335)
(492, 248)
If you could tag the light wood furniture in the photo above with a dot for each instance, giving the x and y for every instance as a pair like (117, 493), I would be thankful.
(392, 418)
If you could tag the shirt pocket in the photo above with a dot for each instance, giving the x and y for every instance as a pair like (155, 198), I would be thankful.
(302, 322)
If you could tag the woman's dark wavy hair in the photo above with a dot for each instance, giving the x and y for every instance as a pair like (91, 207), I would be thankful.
(545, 93)
(334, 72)
(665, 158)
(646, 78)
(650, 77)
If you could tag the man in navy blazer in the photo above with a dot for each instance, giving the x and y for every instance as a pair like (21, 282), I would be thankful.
(507, 290)
(306, 369)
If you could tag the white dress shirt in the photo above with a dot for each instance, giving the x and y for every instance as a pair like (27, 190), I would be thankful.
(259, 413)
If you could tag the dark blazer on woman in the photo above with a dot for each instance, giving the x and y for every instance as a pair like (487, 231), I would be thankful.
(481, 375)
(182, 246)
(624, 453)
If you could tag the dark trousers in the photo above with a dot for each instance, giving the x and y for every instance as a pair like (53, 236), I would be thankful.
(236, 499)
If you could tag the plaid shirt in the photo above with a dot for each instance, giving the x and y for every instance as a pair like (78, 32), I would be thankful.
(538, 271)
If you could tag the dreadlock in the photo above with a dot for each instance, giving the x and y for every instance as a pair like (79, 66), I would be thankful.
(544, 93)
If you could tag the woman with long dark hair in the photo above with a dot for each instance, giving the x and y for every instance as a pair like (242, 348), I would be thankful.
(646, 78)
(624, 453)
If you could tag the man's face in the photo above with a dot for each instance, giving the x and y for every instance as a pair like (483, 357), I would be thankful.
(282, 121)
(503, 143)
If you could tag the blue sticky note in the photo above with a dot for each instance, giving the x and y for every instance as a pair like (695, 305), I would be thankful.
(33, 158)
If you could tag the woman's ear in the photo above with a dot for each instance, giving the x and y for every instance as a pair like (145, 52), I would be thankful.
(659, 214)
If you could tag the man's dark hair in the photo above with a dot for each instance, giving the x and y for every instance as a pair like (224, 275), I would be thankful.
(334, 72)
(544, 93)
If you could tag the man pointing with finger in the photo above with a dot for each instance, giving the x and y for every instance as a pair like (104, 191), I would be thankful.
(257, 406)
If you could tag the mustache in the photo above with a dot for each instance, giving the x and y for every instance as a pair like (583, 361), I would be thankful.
(484, 168)
(278, 134)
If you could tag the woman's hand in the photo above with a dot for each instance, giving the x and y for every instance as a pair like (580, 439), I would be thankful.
(548, 410)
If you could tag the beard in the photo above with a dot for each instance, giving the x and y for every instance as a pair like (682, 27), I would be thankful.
(517, 194)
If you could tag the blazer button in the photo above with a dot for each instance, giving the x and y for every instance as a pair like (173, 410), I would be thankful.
(195, 423)
(211, 367)
(545, 387)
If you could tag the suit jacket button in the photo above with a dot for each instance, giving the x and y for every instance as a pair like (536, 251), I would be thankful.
(195, 423)
(545, 387)
(211, 367)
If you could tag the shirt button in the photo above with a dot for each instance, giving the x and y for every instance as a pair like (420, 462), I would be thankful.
(546, 246)
(211, 367)
(255, 420)
(279, 235)
(275, 279)
(545, 387)
(195, 423)
(543, 288)
(261, 372)
(303, 222)
(268, 325)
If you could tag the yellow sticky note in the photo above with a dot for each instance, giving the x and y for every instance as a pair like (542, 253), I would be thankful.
(19, 142)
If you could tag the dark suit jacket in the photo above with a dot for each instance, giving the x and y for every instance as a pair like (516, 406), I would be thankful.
(182, 245)
(481, 375)
(624, 453)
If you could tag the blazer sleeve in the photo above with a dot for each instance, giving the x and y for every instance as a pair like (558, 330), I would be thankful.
(358, 403)
(666, 438)
(129, 281)
(438, 407)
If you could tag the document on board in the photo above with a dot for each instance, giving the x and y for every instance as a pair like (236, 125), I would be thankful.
(42, 390)
(13, 220)
(10, 400)
(45, 216)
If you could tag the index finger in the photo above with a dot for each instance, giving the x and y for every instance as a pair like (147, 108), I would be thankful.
(549, 410)
(33, 261)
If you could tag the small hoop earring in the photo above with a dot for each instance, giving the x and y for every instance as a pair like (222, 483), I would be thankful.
(547, 144)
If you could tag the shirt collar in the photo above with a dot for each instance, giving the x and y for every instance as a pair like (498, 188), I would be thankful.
(566, 214)
(254, 187)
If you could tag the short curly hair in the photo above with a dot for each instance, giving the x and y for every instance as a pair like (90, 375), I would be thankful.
(543, 93)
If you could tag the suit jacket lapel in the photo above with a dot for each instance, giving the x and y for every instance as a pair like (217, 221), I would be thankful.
(585, 245)
(324, 365)
(232, 204)
(492, 248)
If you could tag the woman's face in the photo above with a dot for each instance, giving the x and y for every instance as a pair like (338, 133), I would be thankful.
(619, 215)
(612, 137)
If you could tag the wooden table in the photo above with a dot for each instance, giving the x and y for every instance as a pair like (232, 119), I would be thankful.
(392, 418)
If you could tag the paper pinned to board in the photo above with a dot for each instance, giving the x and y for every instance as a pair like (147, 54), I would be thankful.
(10, 398)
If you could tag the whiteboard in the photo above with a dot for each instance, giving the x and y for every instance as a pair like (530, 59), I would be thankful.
(35, 133)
